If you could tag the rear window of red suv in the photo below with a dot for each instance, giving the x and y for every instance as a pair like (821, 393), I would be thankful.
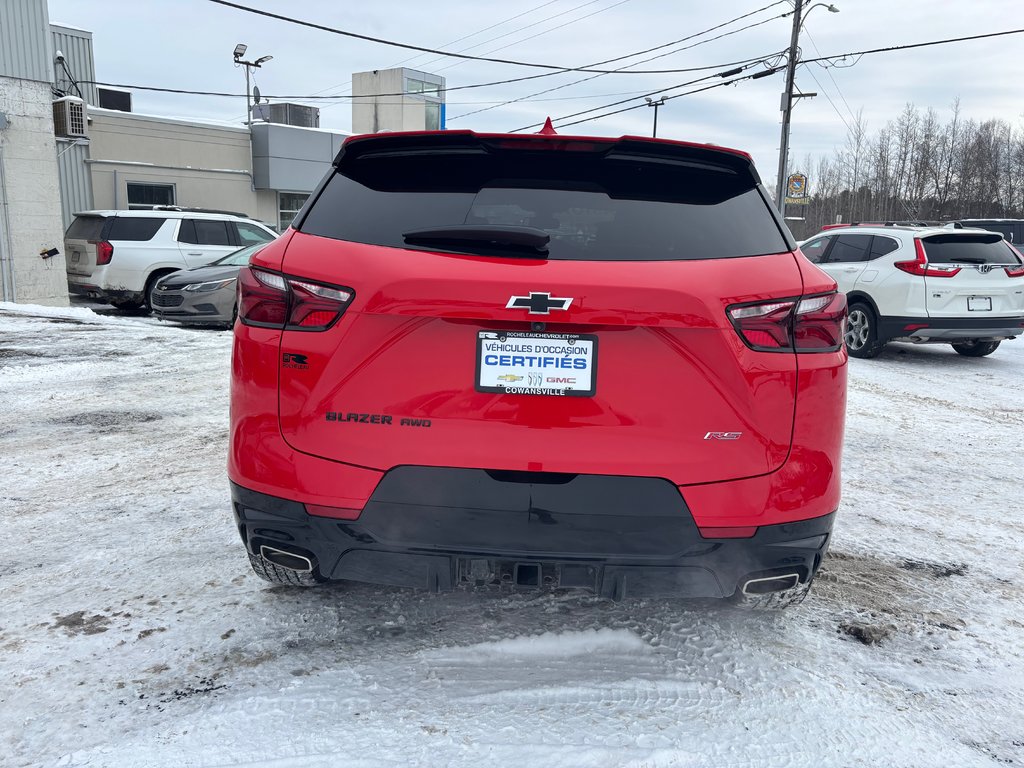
(595, 206)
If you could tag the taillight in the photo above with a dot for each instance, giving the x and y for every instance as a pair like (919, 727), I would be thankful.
(921, 267)
(819, 323)
(764, 326)
(104, 252)
(269, 300)
(1014, 271)
(811, 324)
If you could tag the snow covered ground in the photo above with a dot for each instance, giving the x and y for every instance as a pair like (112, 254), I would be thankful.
(132, 632)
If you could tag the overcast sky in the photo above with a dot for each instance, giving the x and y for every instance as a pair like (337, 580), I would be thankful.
(187, 44)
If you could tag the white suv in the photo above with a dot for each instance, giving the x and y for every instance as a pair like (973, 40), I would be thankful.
(933, 285)
(118, 256)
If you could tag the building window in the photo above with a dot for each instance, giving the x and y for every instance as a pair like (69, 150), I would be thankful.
(288, 204)
(432, 112)
(142, 196)
(412, 85)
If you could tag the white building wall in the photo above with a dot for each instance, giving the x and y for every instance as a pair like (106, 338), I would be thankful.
(30, 207)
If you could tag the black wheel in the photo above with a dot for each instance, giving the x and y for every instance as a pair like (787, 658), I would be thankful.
(862, 332)
(275, 574)
(976, 348)
(773, 601)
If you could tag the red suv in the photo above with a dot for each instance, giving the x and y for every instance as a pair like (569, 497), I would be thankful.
(538, 361)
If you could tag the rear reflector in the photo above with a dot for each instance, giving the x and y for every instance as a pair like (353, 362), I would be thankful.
(269, 300)
(339, 513)
(744, 532)
(811, 324)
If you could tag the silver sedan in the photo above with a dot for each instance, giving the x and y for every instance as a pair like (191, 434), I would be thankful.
(204, 295)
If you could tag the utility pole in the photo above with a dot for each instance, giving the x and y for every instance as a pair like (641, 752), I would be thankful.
(788, 96)
(787, 108)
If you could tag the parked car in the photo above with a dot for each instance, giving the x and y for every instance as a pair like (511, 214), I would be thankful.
(203, 295)
(927, 285)
(1012, 230)
(538, 361)
(119, 256)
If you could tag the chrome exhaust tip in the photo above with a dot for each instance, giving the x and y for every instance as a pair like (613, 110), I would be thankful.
(768, 584)
(288, 560)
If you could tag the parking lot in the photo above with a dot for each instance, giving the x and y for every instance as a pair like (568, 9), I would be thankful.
(133, 632)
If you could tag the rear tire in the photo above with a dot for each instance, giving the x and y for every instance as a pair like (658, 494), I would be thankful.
(275, 574)
(976, 348)
(862, 332)
(773, 601)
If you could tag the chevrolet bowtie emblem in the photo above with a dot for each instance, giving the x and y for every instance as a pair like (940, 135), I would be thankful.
(538, 303)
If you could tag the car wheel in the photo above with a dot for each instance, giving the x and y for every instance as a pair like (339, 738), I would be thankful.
(976, 348)
(772, 601)
(862, 332)
(275, 574)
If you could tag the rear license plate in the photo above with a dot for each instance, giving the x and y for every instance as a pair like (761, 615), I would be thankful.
(521, 363)
(979, 303)
(76, 257)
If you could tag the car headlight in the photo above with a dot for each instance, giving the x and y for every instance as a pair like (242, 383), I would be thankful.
(213, 285)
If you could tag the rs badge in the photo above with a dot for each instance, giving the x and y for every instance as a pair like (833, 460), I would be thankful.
(723, 435)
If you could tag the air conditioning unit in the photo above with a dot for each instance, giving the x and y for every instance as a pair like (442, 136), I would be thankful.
(299, 115)
(69, 117)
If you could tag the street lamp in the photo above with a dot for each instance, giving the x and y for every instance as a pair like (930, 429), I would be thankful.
(787, 97)
(655, 103)
(239, 52)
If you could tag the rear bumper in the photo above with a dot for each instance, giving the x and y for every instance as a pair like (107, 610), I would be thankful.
(950, 329)
(435, 528)
(103, 294)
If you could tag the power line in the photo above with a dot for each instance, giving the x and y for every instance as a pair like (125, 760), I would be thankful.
(383, 41)
(393, 43)
(485, 29)
(828, 71)
(839, 56)
(626, 56)
(652, 58)
(825, 94)
(528, 26)
(377, 95)
(755, 76)
(806, 61)
(451, 42)
(859, 54)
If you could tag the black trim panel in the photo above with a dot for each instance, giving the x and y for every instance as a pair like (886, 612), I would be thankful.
(893, 327)
(434, 528)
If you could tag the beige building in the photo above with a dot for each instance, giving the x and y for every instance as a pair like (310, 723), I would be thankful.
(137, 161)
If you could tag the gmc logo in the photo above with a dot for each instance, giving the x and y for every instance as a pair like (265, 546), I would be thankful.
(560, 380)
